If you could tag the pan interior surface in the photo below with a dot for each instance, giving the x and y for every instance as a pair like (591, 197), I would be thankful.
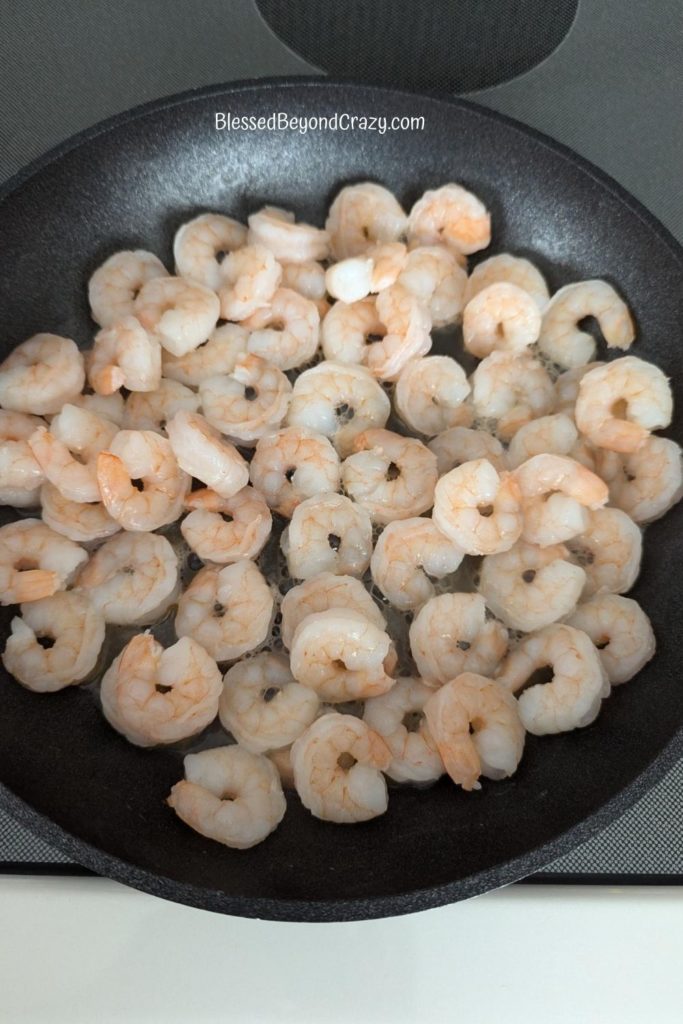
(66, 772)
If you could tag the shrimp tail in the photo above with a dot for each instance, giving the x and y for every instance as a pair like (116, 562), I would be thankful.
(107, 380)
(114, 483)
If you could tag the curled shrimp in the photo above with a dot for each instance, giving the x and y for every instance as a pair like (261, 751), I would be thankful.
(227, 609)
(433, 274)
(319, 594)
(500, 318)
(224, 530)
(478, 508)
(621, 402)
(251, 276)
(390, 476)
(68, 451)
(124, 355)
(408, 325)
(349, 329)
(249, 402)
(476, 726)
(35, 562)
(230, 796)
(277, 230)
(461, 444)
(646, 483)
(511, 388)
(154, 695)
(554, 435)
(82, 522)
(451, 634)
(350, 280)
(409, 553)
(567, 386)
(429, 394)
(217, 355)
(560, 338)
(620, 630)
(450, 216)
(579, 684)
(41, 374)
(557, 493)
(361, 216)
(398, 717)
(609, 551)
(180, 314)
(510, 270)
(201, 244)
(145, 458)
(327, 533)
(20, 472)
(308, 279)
(151, 410)
(202, 452)
(76, 630)
(293, 464)
(286, 331)
(115, 285)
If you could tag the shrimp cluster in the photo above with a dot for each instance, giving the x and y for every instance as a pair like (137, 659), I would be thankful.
(350, 558)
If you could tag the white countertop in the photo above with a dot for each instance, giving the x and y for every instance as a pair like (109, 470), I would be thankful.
(85, 949)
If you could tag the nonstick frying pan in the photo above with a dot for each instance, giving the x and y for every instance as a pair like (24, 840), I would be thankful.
(129, 183)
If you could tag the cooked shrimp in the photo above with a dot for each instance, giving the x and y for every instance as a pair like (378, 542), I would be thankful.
(76, 630)
(229, 795)
(478, 508)
(286, 331)
(251, 277)
(529, 587)
(390, 476)
(202, 452)
(361, 216)
(557, 493)
(154, 695)
(450, 216)
(124, 355)
(579, 683)
(429, 394)
(319, 594)
(349, 329)
(328, 533)
(567, 386)
(110, 407)
(408, 323)
(511, 388)
(151, 410)
(41, 374)
(621, 402)
(620, 630)
(433, 274)
(141, 484)
(276, 230)
(181, 314)
(224, 530)
(294, 464)
(227, 609)
(350, 280)
(250, 402)
(609, 551)
(35, 562)
(263, 706)
(20, 472)
(500, 318)
(338, 401)
(462, 444)
(68, 451)
(308, 279)
(115, 285)
(132, 579)
(80, 522)
(20, 497)
(398, 717)
(388, 260)
(646, 483)
(408, 554)
(451, 634)
(282, 760)
(200, 246)
(510, 270)
(563, 342)
(476, 726)
(555, 435)
(218, 354)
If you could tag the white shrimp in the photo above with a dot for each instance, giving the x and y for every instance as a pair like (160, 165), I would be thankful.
(151, 410)
(362, 216)
(201, 244)
(141, 484)
(511, 388)
(429, 394)
(408, 325)
(646, 483)
(388, 260)
(390, 476)
(229, 795)
(573, 697)
(462, 444)
(450, 216)
(132, 579)
(620, 630)
(500, 318)
(115, 285)
(451, 634)
(109, 407)
(154, 695)
(433, 274)
(621, 402)
(609, 551)
(263, 706)
(227, 609)
(319, 594)
(180, 314)
(557, 494)
(202, 452)
(555, 435)
(248, 403)
(35, 562)
(478, 508)
(76, 630)
(560, 338)
(529, 587)
(224, 530)
(276, 230)
(20, 472)
(476, 726)
(124, 355)
(408, 554)
(41, 374)
(294, 464)
(350, 280)
(251, 277)
(349, 329)
(286, 331)
(308, 279)
(398, 717)
(68, 451)
(80, 522)
(567, 386)
(328, 533)
(511, 270)
(338, 401)
(217, 355)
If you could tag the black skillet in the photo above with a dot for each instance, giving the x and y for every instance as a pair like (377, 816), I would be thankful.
(129, 183)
